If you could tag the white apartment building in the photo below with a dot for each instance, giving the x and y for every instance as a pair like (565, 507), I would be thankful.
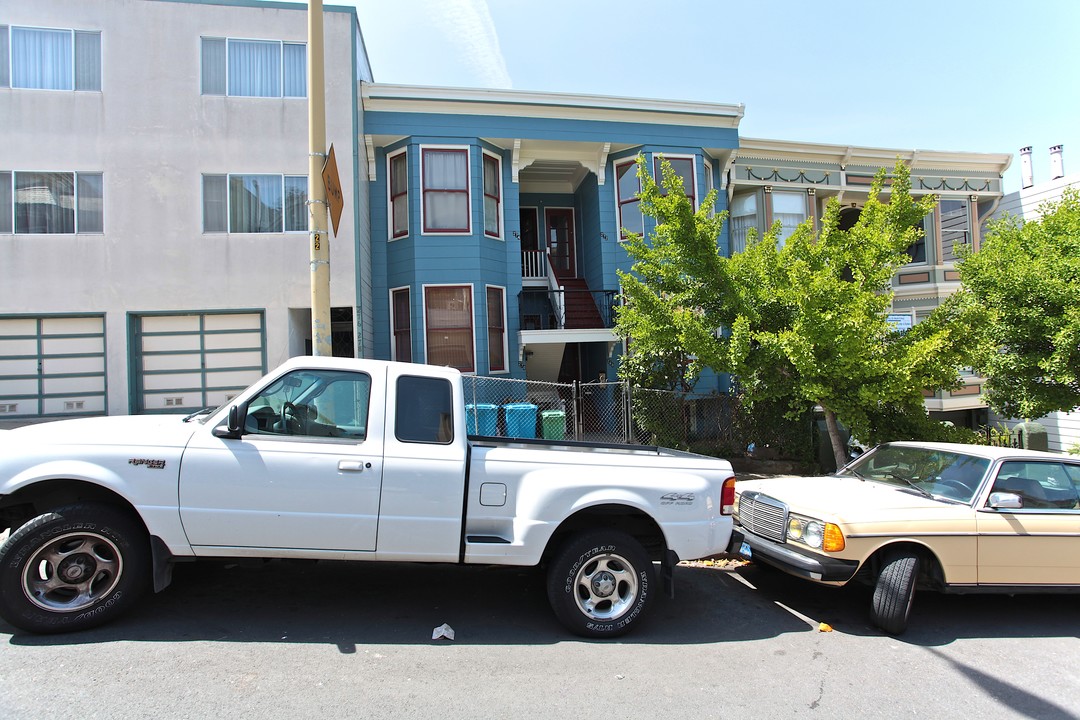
(154, 245)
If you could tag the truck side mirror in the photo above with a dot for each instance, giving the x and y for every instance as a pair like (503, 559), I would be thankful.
(231, 430)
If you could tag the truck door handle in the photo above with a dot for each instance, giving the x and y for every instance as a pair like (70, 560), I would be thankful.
(352, 465)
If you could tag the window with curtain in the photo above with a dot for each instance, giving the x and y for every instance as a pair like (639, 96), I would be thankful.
(955, 222)
(253, 68)
(496, 324)
(743, 216)
(492, 196)
(51, 203)
(402, 325)
(50, 59)
(684, 168)
(790, 209)
(254, 203)
(399, 194)
(448, 326)
(446, 190)
(628, 188)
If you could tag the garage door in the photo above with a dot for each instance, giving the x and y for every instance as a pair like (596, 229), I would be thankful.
(52, 366)
(182, 363)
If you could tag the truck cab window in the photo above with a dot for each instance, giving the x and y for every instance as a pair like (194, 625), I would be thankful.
(306, 403)
(424, 410)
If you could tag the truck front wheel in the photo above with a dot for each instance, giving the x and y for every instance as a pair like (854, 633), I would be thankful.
(71, 569)
(601, 583)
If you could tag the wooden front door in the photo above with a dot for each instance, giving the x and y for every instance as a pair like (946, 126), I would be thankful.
(559, 223)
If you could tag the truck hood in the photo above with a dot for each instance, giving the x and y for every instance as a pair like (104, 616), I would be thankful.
(846, 499)
(127, 430)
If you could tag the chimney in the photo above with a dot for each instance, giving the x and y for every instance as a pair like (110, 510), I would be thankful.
(1026, 179)
(1057, 162)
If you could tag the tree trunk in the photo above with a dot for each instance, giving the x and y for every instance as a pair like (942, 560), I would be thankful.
(837, 441)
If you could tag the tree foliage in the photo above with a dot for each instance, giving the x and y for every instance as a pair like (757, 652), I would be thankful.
(1021, 292)
(804, 320)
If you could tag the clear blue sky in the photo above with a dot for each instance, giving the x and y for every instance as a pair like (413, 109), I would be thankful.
(987, 76)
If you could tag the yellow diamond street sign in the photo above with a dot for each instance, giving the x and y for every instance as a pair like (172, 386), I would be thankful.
(332, 184)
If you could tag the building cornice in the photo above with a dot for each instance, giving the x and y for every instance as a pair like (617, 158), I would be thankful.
(845, 155)
(479, 101)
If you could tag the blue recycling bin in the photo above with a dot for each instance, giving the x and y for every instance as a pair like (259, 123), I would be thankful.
(482, 419)
(520, 420)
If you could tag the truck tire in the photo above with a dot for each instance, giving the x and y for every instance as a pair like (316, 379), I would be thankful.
(601, 584)
(894, 591)
(74, 568)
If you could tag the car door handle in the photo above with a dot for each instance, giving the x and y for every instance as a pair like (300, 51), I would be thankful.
(353, 465)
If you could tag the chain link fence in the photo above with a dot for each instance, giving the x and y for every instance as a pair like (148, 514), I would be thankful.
(613, 412)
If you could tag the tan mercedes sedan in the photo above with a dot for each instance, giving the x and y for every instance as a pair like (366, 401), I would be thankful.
(911, 515)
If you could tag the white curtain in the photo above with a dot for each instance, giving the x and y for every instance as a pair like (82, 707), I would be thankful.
(743, 217)
(790, 209)
(446, 197)
(41, 59)
(254, 68)
(5, 55)
(215, 204)
(213, 66)
(255, 204)
(295, 70)
(88, 61)
(44, 202)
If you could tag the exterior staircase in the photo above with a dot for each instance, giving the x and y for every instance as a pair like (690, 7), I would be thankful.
(581, 312)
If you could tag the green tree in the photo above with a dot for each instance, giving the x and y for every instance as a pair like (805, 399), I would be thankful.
(1022, 296)
(806, 320)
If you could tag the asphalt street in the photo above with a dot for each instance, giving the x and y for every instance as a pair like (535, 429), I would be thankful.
(336, 640)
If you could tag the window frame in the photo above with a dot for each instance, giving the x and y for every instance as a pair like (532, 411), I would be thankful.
(282, 84)
(424, 229)
(756, 214)
(228, 205)
(7, 80)
(619, 201)
(781, 240)
(497, 197)
(392, 234)
(76, 196)
(394, 330)
(968, 233)
(658, 178)
(710, 182)
(472, 323)
(504, 349)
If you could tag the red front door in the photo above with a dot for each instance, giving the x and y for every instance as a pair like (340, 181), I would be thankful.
(559, 223)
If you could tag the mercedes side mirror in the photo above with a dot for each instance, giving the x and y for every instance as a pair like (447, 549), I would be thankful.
(1005, 501)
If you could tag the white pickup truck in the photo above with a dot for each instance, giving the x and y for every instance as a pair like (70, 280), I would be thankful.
(331, 459)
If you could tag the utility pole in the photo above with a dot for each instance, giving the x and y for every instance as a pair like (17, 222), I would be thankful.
(319, 235)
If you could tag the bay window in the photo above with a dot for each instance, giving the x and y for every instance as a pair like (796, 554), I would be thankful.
(628, 191)
(496, 326)
(445, 174)
(448, 326)
(743, 216)
(955, 223)
(398, 184)
(684, 168)
(51, 203)
(401, 322)
(492, 196)
(790, 209)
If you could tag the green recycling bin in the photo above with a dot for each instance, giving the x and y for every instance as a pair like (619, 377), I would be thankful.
(553, 424)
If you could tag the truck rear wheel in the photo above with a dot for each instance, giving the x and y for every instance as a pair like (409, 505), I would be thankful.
(601, 583)
(71, 569)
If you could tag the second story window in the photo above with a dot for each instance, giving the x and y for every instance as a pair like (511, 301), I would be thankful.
(955, 224)
(628, 189)
(492, 196)
(50, 59)
(400, 310)
(253, 68)
(790, 209)
(446, 190)
(743, 217)
(254, 203)
(399, 195)
(51, 203)
(684, 168)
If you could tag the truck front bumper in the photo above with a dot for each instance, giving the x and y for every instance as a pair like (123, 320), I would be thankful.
(792, 560)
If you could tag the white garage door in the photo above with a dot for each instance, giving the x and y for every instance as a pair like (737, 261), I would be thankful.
(182, 363)
(52, 366)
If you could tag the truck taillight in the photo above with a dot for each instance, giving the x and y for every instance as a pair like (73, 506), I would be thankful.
(727, 497)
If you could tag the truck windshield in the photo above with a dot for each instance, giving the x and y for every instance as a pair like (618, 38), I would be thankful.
(936, 473)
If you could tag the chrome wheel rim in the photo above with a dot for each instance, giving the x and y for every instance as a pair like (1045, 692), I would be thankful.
(606, 587)
(72, 572)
